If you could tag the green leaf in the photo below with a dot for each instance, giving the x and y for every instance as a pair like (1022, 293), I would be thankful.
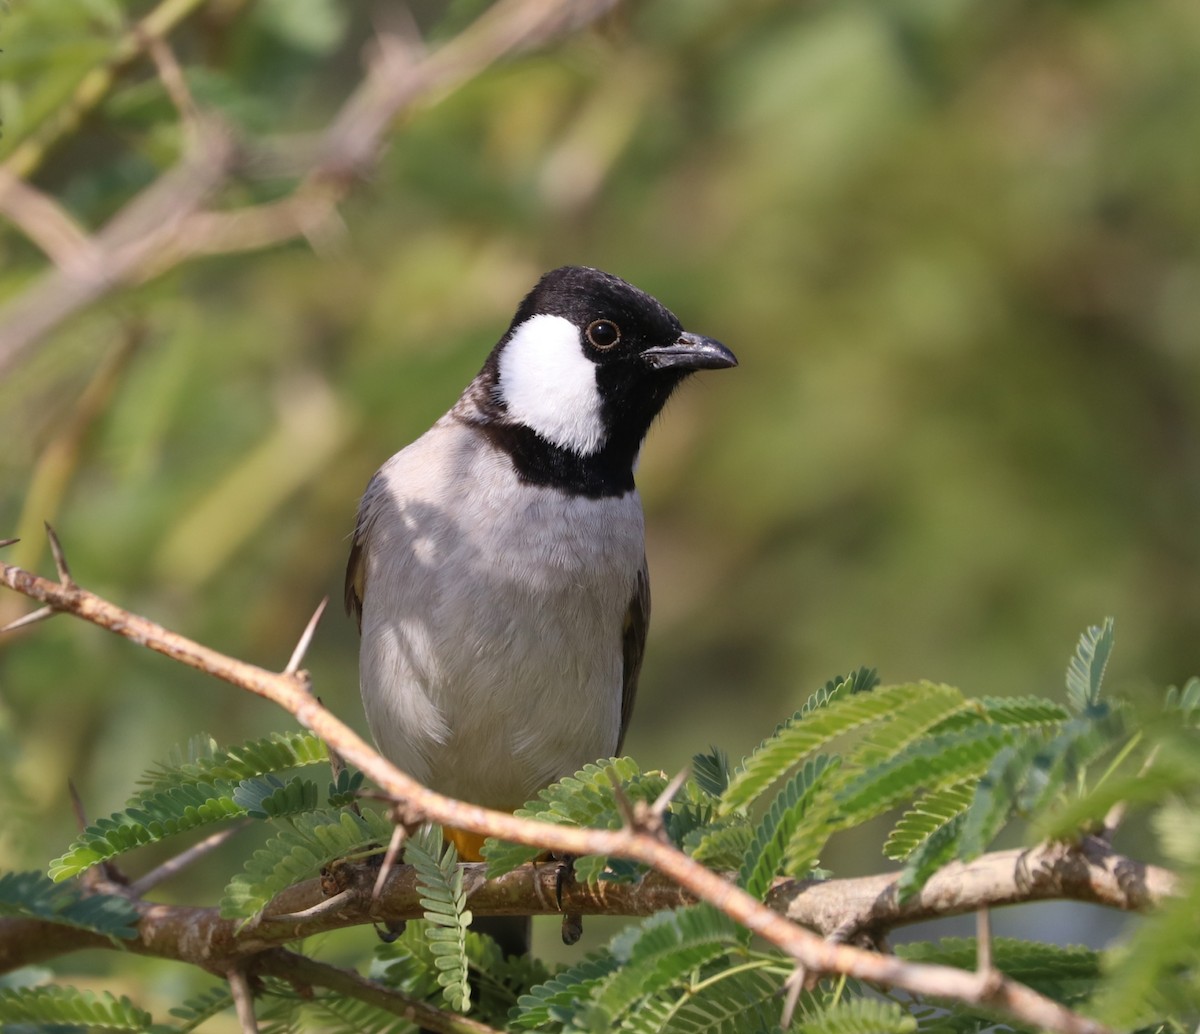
(440, 883)
(931, 854)
(65, 1006)
(270, 797)
(203, 1007)
(927, 764)
(156, 817)
(722, 845)
(301, 848)
(764, 856)
(1155, 974)
(32, 895)
(1085, 672)
(662, 950)
(728, 1002)
(859, 1016)
(807, 732)
(1027, 775)
(585, 799)
(345, 789)
(927, 816)
(559, 998)
(204, 761)
(711, 771)
(1065, 973)
(1186, 700)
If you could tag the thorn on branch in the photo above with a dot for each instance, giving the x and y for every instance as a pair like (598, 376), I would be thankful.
(621, 799)
(60, 559)
(8, 542)
(659, 808)
(32, 618)
(306, 637)
(794, 984)
(77, 805)
(395, 846)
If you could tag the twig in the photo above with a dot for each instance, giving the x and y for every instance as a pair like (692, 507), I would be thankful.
(983, 941)
(94, 86)
(305, 972)
(175, 865)
(48, 225)
(243, 1000)
(167, 223)
(812, 952)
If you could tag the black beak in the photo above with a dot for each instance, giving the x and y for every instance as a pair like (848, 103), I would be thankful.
(690, 352)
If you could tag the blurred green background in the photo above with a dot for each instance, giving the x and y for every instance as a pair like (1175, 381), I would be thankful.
(952, 242)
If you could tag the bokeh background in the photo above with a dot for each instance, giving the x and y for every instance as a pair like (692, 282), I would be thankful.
(953, 243)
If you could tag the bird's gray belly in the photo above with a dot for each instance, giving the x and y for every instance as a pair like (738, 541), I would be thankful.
(492, 647)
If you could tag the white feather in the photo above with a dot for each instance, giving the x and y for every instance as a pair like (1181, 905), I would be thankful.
(549, 385)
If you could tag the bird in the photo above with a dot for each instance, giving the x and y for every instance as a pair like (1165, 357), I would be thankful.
(498, 568)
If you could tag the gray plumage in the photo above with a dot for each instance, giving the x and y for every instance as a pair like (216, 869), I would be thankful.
(502, 623)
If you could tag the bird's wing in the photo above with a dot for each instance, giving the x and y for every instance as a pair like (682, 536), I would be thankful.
(356, 566)
(633, 646)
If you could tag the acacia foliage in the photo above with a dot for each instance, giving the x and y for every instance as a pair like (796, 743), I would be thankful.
(952, 772)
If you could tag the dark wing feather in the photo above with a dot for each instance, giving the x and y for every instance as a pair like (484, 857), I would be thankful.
(633, 645)
(356, 566)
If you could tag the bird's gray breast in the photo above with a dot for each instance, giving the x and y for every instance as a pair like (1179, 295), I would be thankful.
(492, 619)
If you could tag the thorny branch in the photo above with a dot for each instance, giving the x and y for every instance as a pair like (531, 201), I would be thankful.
(815, 955)
(173, 219)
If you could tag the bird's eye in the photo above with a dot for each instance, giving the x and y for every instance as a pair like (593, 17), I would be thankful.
(603, 333)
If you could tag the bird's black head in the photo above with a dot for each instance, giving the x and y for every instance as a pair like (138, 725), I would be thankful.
(583, 370)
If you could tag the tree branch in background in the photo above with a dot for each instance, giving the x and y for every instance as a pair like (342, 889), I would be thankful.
(170, 222)
(817, 956)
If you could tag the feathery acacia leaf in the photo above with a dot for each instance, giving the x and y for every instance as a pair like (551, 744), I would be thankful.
(203, 1007)
(1066, 973)
(764, 856)
(926, 764)
(52, 1007)
(925, 817)
(1085, 672)
(270, 797)
(297, 852)
(803, 734)
(725, 1003)
(158, 816)
(1026, 776)
(440, 881)
(859, 1016)
(585, 799)
(563, 995)
(1185, 700)
(205, 761)
(345, 789)
(940, 847)
(711, 771)
(32, 895)
(658, 952)
(722, 845)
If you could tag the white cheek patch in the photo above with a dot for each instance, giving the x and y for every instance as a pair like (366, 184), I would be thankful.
(549, 385)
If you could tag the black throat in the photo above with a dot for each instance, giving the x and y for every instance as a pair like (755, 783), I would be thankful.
(603, 474)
